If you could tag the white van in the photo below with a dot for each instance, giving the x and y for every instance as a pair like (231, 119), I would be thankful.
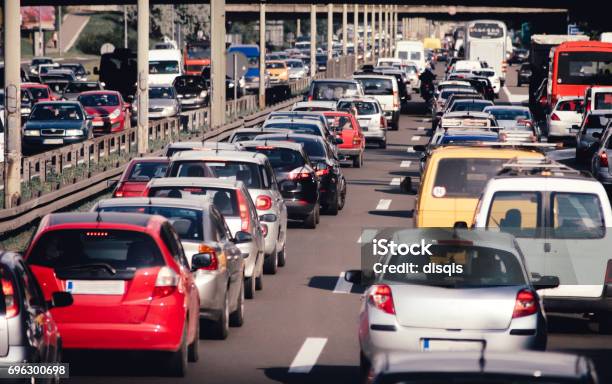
(165, 65)
(386, 90)
(411, 50)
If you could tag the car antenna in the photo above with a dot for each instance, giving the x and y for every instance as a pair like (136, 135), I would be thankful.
(98, 217)
(217, 148)
(481, 360)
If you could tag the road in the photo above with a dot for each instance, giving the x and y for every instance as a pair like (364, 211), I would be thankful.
(302, 328)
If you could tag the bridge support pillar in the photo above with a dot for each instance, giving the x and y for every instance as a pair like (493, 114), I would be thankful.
(142, 130)
(330, 30)
(356, 35)
(298, 28)
(313, 40)
(262, 55)
(217, 66)
(373, 35)
(345, 29)
(381, 45)
(12, 92)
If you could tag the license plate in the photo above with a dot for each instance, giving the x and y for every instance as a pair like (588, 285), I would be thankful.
(450, 345)
(95, 287)
(97, 123)
(53, 141)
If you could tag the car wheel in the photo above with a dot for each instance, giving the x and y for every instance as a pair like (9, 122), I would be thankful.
(259, 281)
(318, 212)
(333, 208)
(177, 361)
(364, 368)
(311, 220)
(357, 161)
(236, 318)
(249, 287)
(271, 263)
(342, 199)
(220, 328)
(282, 257)
(193, 353)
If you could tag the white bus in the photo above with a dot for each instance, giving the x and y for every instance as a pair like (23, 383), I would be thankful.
(486, 40)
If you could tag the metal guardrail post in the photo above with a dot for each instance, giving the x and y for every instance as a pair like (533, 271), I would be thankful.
(143, 76)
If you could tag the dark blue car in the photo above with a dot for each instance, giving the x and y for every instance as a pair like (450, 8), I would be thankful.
(56, 123)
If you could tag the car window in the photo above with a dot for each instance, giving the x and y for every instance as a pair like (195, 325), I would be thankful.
(99, 100)
(509, 114)
(569, 105)
(376, 86)
(161, 93)
(224, 199)
(33, 295)
(333, 91)
(248, 173)
(190, 169)
(464, 177)
(577, 215)
(595, 123)
(603, 100)
(517, 213)
(45, 112)
(281, 159)
(147, 170)
(309, 129)
(173, 243)
(363, 107)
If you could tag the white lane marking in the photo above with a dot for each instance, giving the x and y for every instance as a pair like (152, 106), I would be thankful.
(421, 128)
(308, 355)
(342, 286)
(405, 164)
(367, 235)
(395, 181)
(383, 204)
(410, 150)
(416, 138)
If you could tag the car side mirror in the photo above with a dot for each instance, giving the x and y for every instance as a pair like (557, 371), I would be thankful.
(460, 225)
(96, 71)
(201, 260)
(546, 282)
(60, 299)
(353, 276)
(242, 237)
(112, 182)
(338, 141)
(419, 148)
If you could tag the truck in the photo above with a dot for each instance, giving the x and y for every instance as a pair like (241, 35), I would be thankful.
(118, 71)
(197, 56)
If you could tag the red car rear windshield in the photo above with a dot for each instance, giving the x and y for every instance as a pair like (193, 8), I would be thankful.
(147, 170)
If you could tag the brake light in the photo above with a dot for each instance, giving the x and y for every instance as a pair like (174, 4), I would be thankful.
(166, 282)
(555, 117)
(382, 298)
(503, 137)
(264, 147)
(263, 202)
(244, 213)
(356, 140)
(608, 279)
(310, 98)
(322, 172)
(118, 191)
(383, 122)
(395, 100)
(214, 260)
(524, 122)
(299, 176)
(10, 301)
(603, 159)
(525, 305)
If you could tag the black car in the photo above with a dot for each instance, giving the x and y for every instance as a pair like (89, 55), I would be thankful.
(519, 55)
(523, 74)
(78, 69)
(58, 79)
(327, 165)
(30, 334)
(191, 91)
(296, 176)
(54, 123)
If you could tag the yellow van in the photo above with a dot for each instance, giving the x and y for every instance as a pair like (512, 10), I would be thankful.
(454, 178)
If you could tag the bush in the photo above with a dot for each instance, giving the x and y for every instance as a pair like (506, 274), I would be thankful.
(90, 43)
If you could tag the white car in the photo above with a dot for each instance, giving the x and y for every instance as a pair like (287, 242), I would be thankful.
(492, 76)
(561, 219)
(297, 69)
(566, 114)
(314, 106)
(370, 117)
(386, 90)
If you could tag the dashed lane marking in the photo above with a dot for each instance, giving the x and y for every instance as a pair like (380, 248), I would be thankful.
(383, 204)
(308, 355)
(342, 286)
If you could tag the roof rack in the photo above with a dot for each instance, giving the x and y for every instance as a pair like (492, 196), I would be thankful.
(491, 144)
(539, 167)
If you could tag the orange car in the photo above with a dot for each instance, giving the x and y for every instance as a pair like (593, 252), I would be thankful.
(347, 128)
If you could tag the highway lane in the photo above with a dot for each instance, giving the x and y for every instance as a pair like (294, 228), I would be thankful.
(302, 328)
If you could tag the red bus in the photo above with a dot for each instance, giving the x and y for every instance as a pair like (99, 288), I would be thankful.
(196, 56)
(576, 66)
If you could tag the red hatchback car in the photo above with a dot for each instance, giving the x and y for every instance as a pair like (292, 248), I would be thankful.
(132, 285)
(347, 128)
(109, 111)
(40, 92)
(137, 175)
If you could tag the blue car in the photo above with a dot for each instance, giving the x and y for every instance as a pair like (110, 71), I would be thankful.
(251, 77)
(56, 123)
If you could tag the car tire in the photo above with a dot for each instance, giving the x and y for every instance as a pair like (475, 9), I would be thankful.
(318, 211)
(259, 281)
(357, 161)
(271, 263)
(605, 323)
(176, 363)
(219, 330)
(364, 368)
(193, 354)
(342, 200)
(236, 318)
(282, 257)
(333, 208)
(311, 221)
(249, 287)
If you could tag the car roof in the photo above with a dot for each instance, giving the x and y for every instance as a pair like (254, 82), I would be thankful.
(314, 103)
(373, 76)
(200, 204)
(473, 100)
(275, 143)
(58, 102)
(509, 107)
(195, 182)
(224, 146)
(135, 219)
(149, 159)
(527, 363)
(348, 81)
(303, 136)
(474, 114)
(295, 121)
(237, 155)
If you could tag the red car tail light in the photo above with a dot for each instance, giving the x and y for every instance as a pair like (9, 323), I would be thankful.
(166, 283)
(603, 159)
(310, 98)
(323, 172)
(118, 191)
(10, 301)
(526, 304)
(382, 299)
(244, 213)
(214, 260)
(263, 202)
(555, 117)
(356, 140)
(299, 176)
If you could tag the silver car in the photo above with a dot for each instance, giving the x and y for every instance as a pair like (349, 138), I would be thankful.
(211, 250)
(370, 116)
(475, 293)
(163, 102)
(255, 171)
(232, 199)
(181, 146)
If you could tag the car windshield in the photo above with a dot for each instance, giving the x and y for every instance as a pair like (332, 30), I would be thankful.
(509, 114)
(41, 61)
(81, 87)
(161, 93)
(295, 64)
(340, 123)
(244, 136)
(147, 170)
(39, 92)
(163, 67)
(585, 68)
(224, 199)
(469, 106)
(575, 105)
(190, 83)
(246, 172)
(376, 86)
(78, 69)
(333, 91)
(597, 123)
(275, 65)
(464, 177)
(314, 148)
(99, 100)
(198, 52)
(603, 100)
(45, 112)
(192, 216)
(310, 129)
(482, 267)
(281, 159)
(363, 107)
(119, 249)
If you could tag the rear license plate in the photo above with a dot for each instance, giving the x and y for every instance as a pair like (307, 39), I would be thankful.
(95, 287)
(97, 123)
(450, 345)
(53, 141)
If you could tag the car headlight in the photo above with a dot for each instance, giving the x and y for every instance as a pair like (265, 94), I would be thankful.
(203, 94)
(73, 132)
(230, 85)
(31, 132)
(115, 114)
(179, 96)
